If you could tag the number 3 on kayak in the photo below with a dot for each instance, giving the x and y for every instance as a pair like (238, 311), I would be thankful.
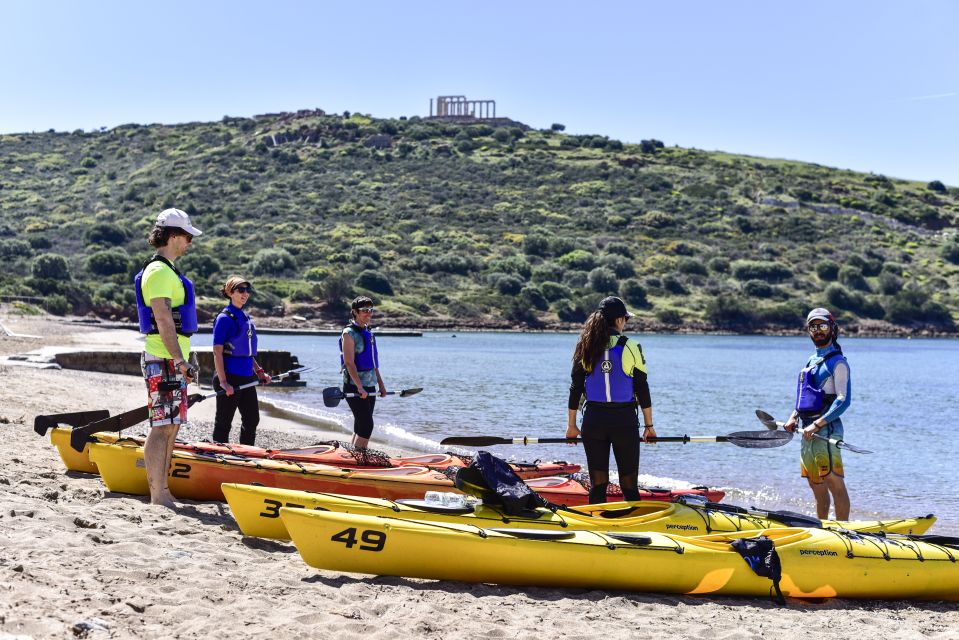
(375, 540)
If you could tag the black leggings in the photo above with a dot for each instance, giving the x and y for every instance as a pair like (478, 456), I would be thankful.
(615, 426)
(226, 406)
(362, 411)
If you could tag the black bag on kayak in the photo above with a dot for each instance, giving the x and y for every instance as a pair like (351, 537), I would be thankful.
(495, 483)
(761, 556)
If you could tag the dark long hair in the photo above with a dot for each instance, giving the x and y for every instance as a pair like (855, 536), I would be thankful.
(593, 340)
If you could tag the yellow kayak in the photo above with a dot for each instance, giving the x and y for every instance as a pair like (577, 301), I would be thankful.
(256, 510)
(73, 459)
(816, 563)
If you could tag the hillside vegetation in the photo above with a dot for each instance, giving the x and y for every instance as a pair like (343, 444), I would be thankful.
(470, 225)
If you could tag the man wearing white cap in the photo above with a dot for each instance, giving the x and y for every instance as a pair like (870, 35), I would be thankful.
(166, 310)
(823, 393)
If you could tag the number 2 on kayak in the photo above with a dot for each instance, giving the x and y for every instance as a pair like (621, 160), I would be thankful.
(375, 540)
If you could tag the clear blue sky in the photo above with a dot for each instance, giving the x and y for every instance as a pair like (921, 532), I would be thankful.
(871, 86)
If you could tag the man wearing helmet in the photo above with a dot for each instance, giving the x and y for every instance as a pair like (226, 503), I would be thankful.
(822, 395)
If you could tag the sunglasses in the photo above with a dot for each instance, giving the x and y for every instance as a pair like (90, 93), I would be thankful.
(243, 289)
(366, 309)
(822, 326)
(188, 236)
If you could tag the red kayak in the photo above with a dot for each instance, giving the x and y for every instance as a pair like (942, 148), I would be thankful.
(570, 492)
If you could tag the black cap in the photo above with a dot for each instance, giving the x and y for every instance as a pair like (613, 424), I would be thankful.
(613, 307)
(361, 301)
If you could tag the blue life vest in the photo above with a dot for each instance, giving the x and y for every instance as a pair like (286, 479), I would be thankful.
(811, 400)
(607, 382)
(242, 344)
(184, 316)
(368, 359)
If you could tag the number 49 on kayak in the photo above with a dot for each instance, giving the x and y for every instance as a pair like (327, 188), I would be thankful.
(375, 540)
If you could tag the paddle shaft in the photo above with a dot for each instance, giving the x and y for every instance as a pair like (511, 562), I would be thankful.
(748, 439)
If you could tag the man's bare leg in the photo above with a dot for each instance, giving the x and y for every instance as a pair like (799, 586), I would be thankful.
(821, 492)
(156, 457)
(837, 487)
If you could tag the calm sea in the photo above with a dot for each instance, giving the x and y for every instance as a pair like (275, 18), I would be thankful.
(904, 407)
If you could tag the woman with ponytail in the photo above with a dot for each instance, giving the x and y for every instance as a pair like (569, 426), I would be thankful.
(610, 371)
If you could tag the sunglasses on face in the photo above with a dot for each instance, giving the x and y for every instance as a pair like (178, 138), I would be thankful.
(188, 236)
(366, 310)
(818, 327)
(243, 289)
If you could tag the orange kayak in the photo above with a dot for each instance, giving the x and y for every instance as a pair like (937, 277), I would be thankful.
(198, 476)
(331, 453)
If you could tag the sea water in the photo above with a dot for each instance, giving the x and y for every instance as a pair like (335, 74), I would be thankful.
(904, 408)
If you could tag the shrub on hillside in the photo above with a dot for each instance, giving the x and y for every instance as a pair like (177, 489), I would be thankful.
(548, 271)
(56, 304)
(772, 272)
(11, 249)
(619, 248)
(730, 312)
(534, 298)
(950, 251)
(272, 262)
(374, 281)
(633, 293)
(506, 284)
(559, 246)
(718, 264)
(535, 245)
(673, 285)
(105, 233)
(603, 280)
(578, 259)
(199, 266)
(786, 314)
(669, 316)
(621, 266)
(569, 312)
(889, 283)
(50, 266)
(554, 291)
(108, 262)
(936, 186)
(827, 270)
(691, 266)
(335, 289)
(851, 276)
(513, 265)
(758, 289)
(913, 305)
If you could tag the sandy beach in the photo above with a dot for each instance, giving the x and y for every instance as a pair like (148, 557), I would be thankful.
(79, 561)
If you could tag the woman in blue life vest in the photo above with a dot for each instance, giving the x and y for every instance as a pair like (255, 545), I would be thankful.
(234, 357)
(823, 393)
(360, 363)
(609, 369)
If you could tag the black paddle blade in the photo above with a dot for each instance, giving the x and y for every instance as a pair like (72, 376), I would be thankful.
(768, 421)
(78, 438)
(759, 439)
(332, 396)
(405, 393)
(41, 424)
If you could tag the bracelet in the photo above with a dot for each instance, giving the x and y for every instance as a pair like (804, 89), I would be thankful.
(647, 426)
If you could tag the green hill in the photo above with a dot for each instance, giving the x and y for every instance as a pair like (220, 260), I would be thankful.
(470, 225)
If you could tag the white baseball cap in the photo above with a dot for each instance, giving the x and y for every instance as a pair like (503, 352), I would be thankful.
(178, 219)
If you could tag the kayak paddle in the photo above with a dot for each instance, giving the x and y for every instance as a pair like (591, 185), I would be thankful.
(747, 439)
(78, 438)
(772, 424)
(78, 418)
(333, 395)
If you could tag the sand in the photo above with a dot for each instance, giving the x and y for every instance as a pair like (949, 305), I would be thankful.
(79, 561)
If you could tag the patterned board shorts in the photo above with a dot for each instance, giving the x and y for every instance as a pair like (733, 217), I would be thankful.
(818, 458)
(166, 391)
